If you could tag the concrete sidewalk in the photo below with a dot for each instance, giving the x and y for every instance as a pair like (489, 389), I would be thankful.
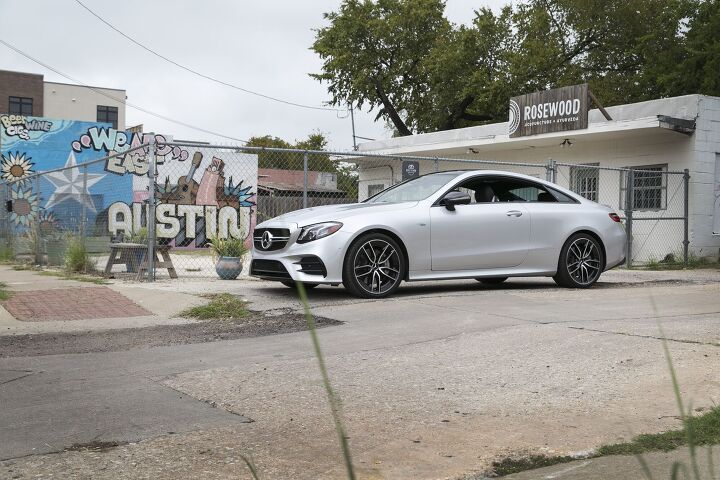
(50, 304)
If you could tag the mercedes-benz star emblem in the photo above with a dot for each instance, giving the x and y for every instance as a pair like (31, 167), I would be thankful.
(266, 240)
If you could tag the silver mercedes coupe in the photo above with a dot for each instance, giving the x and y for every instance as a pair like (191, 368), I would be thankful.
(481, 224)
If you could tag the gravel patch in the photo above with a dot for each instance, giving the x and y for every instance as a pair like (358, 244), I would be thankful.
(257, 325)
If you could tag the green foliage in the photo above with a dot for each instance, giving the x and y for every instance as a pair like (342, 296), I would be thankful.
(508, 466)
(228, 247)
(4, 294)
(7, 254)
(424, 74)
(223, 306)
(141, 236)
(77, 258)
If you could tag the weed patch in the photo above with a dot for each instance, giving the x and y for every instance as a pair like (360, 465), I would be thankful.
(705, 428)
(222, 306)
(4, 294)
(509, 466)
(73, 276)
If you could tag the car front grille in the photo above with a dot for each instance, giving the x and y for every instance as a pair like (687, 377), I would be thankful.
(269, 239)
(269, 269)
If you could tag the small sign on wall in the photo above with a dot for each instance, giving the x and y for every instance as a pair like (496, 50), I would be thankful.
(410, 169)
(548, 111)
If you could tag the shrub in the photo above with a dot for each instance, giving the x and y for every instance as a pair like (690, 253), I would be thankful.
(77, 258)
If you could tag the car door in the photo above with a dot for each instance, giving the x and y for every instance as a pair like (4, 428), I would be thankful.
(479, 236)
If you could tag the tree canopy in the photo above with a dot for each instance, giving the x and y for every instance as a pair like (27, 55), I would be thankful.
(422, 73)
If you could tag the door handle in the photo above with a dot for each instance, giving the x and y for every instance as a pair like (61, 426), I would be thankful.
(514, 213)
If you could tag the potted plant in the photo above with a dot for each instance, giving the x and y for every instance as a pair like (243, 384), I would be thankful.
(134, 257)
(229, 253)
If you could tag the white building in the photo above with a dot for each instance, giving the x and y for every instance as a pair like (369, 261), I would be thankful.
(672, 134)
(88, 104)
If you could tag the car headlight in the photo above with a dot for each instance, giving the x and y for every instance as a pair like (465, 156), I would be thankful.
(317, 231)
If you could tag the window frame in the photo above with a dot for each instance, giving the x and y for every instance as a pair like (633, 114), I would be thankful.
(578, 172)
(662, 169)
(21, 102)
(107, 111)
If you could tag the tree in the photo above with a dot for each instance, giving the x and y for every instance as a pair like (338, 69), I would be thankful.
(424, 74)
(372, 53)
(294, 160)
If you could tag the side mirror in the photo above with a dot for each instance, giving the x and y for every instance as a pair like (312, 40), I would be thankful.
(455, 198)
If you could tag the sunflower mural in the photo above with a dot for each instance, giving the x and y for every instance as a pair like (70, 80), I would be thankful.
(47, 221)
(24, 206)
(15, 167)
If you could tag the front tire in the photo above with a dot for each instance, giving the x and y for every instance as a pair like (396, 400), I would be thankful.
(581, 262)
(374, 266)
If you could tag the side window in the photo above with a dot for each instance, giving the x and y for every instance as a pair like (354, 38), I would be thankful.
(487, 189)
(512, 190)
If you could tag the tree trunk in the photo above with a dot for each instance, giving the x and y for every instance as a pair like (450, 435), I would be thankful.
(402, 129)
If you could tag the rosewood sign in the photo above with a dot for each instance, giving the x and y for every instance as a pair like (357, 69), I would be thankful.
(548, 111)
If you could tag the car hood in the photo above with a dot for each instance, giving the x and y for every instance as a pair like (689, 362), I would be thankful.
(329, 213)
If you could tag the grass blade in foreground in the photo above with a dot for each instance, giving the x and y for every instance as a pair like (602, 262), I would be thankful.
(332, 398)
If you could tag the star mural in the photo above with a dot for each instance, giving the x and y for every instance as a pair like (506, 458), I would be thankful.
(69, 184)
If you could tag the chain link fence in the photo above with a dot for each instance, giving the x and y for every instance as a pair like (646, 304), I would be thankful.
(202, 193)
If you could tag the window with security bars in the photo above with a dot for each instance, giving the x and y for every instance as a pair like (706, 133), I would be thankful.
(20, 106)
(649, 187)
(375, 189)
(107, 114)
(584, 180)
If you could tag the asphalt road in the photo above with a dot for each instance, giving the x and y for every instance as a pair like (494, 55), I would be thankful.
(435, 335)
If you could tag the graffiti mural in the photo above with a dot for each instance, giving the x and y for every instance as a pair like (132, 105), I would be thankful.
(200, 193)
(198, 199)
(33, 144)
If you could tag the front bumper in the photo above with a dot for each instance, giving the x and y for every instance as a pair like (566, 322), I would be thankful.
(320, 261)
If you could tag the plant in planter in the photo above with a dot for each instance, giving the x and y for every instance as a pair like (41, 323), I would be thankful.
(229, 252)
(134, 258)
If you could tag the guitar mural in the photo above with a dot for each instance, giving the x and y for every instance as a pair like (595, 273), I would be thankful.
(221, 202)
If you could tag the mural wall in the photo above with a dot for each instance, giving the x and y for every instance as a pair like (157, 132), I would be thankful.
(201, 192)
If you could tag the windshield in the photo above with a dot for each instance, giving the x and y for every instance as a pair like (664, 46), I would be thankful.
(414, 190)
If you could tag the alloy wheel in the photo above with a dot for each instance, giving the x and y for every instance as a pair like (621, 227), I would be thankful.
(583, 261)
(377, 266)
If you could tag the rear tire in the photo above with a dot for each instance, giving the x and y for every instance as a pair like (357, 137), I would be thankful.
(374, 266)
(492, 280)
(293, 285)
(581, 262)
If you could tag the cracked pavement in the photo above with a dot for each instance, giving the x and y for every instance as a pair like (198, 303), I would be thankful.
(435, 382)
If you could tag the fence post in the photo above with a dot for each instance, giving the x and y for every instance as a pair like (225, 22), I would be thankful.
(629, 204)
(7, 200)
(152, 174)
(437, 165)
(549, 167)
(83, 218)
(38, 231)
(686, 215)
(305, 180)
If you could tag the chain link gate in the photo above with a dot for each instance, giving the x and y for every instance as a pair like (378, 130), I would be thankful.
(201, 191)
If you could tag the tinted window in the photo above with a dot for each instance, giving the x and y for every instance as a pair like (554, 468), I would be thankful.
(505, 189)
(20, 106)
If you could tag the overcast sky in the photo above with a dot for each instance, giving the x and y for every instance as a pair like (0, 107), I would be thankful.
(260, 46)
